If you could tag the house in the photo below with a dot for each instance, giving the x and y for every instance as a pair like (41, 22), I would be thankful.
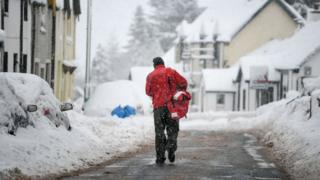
(280, 66)
(218, 92)
(41, 39)
(16, 17)
(257, 83)
(230, 29)
(65, 18)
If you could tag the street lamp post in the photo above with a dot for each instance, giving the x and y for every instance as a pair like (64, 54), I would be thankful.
(88, 52)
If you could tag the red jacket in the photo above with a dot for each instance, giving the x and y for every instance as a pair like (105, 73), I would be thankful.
(162, 84)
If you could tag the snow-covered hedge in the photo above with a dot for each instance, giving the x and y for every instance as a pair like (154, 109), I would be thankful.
(19, 90)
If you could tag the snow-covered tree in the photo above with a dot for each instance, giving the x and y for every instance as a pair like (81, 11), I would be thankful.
(168, 14)
(106, 62)
(100, 65)
(143, 44)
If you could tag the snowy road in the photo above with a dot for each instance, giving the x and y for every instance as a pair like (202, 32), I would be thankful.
(201, 155)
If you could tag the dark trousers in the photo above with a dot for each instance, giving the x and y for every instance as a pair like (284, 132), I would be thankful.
(162, 122)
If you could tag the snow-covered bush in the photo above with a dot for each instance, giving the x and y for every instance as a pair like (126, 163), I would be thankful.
(19, 90)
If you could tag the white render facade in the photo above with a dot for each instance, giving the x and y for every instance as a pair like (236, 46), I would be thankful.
(218, 101)
(41, 43)
(17, 58)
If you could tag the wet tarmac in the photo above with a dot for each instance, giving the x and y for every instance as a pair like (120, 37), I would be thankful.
(201, 155)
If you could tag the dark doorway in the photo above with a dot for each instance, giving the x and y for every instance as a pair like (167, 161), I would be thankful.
(5, 62)
(264, 96)
(15, 62)
(23, 64)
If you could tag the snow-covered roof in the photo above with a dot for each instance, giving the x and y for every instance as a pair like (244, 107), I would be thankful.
(139, 75)
(70, 63)
(219, 79)
(39, 1)
(59, 3)
(287, 54)
(226, 18)
(250, 64)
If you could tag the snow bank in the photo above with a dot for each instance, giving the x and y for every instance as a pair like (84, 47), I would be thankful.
(44, 149)
(109, 95)
(286, 125)
(294, 135)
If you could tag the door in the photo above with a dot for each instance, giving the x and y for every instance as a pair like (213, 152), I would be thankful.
(264, 96)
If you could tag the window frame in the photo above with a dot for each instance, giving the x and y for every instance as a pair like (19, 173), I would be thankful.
(221, 99)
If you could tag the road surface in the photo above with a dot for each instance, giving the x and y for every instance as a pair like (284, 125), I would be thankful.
(201, 155)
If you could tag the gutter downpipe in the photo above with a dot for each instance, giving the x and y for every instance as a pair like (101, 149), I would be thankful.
(21, 35)
(88, 57)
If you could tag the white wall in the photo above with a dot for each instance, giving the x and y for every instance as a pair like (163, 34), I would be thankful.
(210, 101)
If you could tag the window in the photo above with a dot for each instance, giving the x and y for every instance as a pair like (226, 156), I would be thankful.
(15, 62)
(244, 99)
(25, 10)
(48, 71)
(23, 64)
(203, 52)
(203, 63)
(307, 71)
(6, 6)
(5, 62)
(202, 36)
(220, 99)
(36, 68)
(42, 73)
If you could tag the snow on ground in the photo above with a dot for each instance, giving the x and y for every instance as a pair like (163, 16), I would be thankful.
(44, 149)
(41, 145)
(108, 96)
(285, 125)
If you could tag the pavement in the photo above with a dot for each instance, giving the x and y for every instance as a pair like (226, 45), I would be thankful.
(201, 155)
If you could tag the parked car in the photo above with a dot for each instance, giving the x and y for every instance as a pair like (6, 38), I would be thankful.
(26, 99)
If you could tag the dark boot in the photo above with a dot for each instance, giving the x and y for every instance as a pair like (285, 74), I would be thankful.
(171, 156)
(160, 161)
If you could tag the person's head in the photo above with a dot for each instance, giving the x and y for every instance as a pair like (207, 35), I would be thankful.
(157, 61)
